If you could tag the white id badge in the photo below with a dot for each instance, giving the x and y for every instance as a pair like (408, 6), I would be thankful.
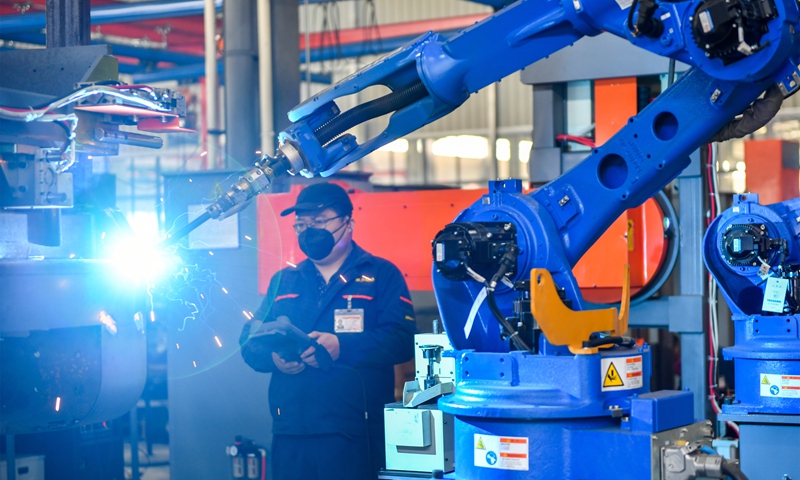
(350, 320)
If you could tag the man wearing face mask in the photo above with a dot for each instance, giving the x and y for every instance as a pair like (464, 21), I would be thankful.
(328, 424)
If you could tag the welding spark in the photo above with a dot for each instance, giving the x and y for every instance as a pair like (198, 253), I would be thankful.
(194, 363)
(343, 279)
(103, 236)
(202, 296)
(224, 290)
(109, 322)
(58, 403)
(216, 338)
(191, 315)
(211, 253)
(367, 278)
(204, 154)
(71, 255)
(190, 180)
(178, 346)
(258, 152)
(291, 264)
(152, 316)
(247, 237)
(247, 315)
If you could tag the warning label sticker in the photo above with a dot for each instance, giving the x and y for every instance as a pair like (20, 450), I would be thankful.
(785, 386)
(502, 453)
(621, 373)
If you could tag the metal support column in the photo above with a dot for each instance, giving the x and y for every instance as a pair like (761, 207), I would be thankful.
(212, 82)
(285, 21)
(68, 23)
(692, 284)
(548, 121)
(134, 443)
(491, 119)
(241, 83)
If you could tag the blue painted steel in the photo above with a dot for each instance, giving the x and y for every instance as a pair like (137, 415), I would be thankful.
(117, 13)
(197, 70)
(146, 54)
(768, 452)
(554, 398)
(452, 69)
(519, 385)
(764, 344)
(556, 403)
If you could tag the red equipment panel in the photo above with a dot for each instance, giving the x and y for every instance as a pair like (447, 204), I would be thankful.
(399, 226)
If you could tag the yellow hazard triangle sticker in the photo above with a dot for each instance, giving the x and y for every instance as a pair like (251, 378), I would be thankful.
(612, 377)
(765, 381)
(480, 445)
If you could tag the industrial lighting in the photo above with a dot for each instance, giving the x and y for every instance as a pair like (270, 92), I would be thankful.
(525, 150)
(502, 149)
(398, 146)
(461, 146)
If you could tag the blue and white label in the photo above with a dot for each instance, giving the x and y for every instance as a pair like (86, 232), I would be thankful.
(779, 386)
(775, 295)
(501, 453)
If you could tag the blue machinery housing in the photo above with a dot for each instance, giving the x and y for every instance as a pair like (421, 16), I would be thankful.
(553, 414)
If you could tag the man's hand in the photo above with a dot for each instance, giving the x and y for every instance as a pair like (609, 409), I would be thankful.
(289, 368)
(327, 340)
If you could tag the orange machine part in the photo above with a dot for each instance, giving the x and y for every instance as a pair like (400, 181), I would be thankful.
(614, 104)
(399, 226)
(767, 172)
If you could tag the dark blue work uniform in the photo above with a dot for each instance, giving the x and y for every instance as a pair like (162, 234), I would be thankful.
(318, 416)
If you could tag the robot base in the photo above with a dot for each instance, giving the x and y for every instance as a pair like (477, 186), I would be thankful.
(522, 416)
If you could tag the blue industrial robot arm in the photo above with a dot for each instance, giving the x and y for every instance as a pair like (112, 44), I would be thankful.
(738, 48)
(740, 41)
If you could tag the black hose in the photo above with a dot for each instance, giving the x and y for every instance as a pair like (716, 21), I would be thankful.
(756, 116)
(372, 109)
(732, 470)
(509, 329)
(183, 231)
(609, 340)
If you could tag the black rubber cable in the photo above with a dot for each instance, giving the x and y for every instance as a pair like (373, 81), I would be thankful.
(732, 470)
(756, 116)
(372, 109)
(510, 331)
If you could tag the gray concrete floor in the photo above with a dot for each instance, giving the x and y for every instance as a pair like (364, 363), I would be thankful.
(151, 467)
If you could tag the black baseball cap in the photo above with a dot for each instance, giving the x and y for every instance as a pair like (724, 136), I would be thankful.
(320, 196)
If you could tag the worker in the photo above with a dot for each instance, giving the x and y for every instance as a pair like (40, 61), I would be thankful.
(328, 424)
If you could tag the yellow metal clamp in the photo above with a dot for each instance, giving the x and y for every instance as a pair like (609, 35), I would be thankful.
(563, 326)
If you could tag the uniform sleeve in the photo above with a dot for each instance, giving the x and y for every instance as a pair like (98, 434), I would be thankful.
(254, 350)
(392, 340)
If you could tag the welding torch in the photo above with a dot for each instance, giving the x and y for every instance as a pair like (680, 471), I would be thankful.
(253, 182)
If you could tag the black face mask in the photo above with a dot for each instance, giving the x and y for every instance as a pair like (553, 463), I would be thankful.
(318, 243)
